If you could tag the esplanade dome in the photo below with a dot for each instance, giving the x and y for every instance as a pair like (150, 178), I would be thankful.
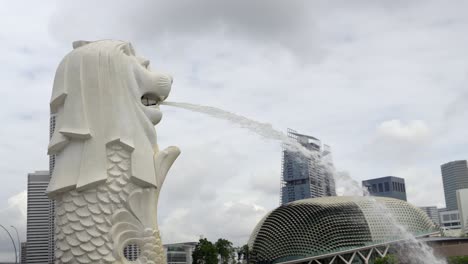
(317, 226)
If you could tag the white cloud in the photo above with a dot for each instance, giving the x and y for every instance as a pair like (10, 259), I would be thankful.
(423, 186)
(233, 220)
(396, 143)
(413, 132)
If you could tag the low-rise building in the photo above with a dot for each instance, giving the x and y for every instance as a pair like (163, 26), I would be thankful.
(179, 253)
(449, 219)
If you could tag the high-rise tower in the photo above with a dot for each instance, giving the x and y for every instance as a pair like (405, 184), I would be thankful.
(51, 202)
(454, 177)
(37, 229)
(306, 176)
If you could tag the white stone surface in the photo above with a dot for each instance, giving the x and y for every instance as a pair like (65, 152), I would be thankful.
(108, 170)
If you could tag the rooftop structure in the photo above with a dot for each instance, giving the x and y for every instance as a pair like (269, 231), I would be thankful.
(313, 227)
(306, 176)
(389, 186)
(454, 177)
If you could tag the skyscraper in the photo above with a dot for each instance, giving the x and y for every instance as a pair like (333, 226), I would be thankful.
(306, 176)
(389, 186)
(38, 229)
(454, 177)
(51, 246)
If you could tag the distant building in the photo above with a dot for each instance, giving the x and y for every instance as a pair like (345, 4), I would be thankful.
(179, 253)
(462, 199)
(454, 177)
(432, 212)
(449, 219)
(389, 186)
(306, 176)
(38, 225)
(23, 253)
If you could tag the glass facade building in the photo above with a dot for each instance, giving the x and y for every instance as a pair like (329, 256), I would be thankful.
(454, 177)
(389, 186)
(306, 176)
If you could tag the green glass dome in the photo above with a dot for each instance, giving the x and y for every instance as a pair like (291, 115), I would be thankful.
(317, 226)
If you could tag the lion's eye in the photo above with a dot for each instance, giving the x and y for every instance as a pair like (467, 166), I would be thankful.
(149, 99)
(145, 63)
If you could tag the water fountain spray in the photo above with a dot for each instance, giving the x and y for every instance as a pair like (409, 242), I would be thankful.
(421, 252)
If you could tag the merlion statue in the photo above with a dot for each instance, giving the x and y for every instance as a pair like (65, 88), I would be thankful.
(108, 168)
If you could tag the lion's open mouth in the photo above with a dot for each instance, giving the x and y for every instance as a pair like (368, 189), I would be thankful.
(150, 100)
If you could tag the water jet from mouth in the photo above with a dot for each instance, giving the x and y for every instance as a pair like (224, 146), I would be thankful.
(422, 251)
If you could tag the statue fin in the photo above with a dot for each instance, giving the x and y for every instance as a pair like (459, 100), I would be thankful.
(163, 161)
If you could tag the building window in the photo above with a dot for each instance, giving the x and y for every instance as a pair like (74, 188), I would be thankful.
(374, 188)
(387, 186)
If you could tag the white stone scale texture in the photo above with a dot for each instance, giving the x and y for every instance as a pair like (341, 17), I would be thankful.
(108, 170)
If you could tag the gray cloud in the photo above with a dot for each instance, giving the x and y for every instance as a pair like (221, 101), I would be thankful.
(275, 23)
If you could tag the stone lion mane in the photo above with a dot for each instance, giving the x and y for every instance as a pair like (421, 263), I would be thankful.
(96, 100)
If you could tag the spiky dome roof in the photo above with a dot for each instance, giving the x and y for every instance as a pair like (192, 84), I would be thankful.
(317, 226)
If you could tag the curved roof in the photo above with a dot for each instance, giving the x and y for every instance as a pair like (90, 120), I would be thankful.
(323, 225)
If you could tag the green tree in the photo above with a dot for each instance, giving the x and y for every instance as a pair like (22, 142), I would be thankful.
(245, 251)
(225, 250)
(205, 253)
(458, 260)
(389, 259)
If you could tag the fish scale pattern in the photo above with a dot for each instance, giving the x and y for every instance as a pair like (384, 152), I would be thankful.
(82, 234)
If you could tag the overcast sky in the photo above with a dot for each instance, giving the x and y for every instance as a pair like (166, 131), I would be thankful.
(384, 83)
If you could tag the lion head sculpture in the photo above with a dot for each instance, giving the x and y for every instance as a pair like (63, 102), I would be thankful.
(97, 100)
